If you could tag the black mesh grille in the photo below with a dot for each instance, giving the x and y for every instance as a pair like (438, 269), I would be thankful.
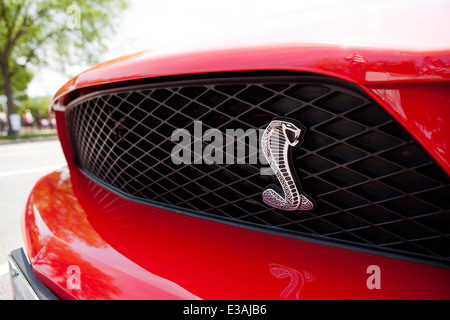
(371, 182)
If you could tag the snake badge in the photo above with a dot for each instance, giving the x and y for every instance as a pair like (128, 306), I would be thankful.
(278, 137)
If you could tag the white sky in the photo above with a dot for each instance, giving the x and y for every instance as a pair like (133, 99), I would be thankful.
(153, 24)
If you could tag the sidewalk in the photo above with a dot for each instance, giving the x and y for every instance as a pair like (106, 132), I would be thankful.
(36, 135)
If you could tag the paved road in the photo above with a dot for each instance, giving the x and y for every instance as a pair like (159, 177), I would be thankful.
(21, 165)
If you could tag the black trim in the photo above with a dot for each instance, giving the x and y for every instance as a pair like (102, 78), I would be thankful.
(41, 290)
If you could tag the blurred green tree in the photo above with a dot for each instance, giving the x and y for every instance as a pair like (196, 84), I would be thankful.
(35, 105)
(50, 32)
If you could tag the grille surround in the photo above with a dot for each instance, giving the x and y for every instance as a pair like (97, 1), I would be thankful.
(324, 164)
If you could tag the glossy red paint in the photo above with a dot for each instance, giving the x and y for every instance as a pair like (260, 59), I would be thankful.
(423, 109)
(73, 221)
(356, 64)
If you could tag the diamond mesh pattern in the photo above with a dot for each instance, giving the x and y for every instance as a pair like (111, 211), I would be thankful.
(372, 183)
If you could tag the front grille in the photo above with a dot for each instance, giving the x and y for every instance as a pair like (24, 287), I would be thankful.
(371, 182)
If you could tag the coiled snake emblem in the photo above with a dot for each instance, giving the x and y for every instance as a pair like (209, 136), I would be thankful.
(280, 134)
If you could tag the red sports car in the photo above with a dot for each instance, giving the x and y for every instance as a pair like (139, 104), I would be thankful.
(303, 163)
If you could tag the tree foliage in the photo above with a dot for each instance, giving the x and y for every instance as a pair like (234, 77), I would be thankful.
(35, 105)
(50, 32)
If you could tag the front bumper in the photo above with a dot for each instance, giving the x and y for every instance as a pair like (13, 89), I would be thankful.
(25, 285)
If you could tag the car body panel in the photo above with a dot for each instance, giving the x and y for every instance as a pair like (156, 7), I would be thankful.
(423, 110)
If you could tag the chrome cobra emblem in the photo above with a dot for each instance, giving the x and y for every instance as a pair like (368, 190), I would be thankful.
(279, 135)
